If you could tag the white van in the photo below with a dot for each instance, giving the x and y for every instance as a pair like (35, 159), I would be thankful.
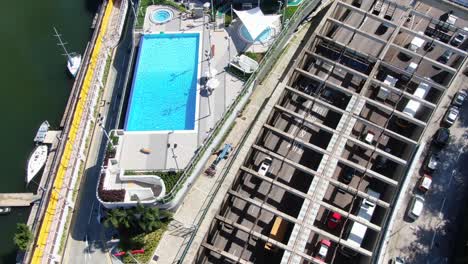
(413, 106)
(358, 230)
(383, 91)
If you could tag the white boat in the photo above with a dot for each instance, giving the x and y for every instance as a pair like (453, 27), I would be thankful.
(42, 132)
(36, 161)
(73, 59)
(4, 210)
(73, 64)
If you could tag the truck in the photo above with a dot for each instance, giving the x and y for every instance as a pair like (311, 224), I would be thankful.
(383, 91)
(416, 43)
(358, 231)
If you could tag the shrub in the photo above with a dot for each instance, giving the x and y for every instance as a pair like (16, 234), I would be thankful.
(23, 236)
(109, 195)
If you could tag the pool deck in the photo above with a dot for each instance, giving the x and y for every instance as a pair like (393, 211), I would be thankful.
(174, 149)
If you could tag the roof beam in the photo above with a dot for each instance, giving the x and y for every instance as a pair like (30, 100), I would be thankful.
(311, 198)
(225, 253)
(360, 119)
(316, 174)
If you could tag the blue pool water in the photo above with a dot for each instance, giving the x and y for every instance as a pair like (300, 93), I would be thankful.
(161, 15)
(264, 36)
(163, 95)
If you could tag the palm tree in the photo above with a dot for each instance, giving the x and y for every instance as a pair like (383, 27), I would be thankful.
(150, 220)
(112, 218)
(118, 218)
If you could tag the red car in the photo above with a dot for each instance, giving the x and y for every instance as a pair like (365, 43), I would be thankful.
(425, 183)
(322, 249)
(334, 219)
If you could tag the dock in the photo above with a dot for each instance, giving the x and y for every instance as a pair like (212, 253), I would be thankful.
(18, 199)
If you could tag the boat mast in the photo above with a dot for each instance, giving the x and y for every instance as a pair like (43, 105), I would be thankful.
(61, 43)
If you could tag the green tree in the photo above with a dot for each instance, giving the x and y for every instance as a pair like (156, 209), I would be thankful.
(23, 236)
(118, 218)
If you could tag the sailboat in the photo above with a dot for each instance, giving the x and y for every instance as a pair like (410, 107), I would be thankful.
(73, 59)
(36, 161)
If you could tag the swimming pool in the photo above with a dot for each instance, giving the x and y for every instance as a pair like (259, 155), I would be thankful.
(164, 90)
(161, 15)
(263, 37)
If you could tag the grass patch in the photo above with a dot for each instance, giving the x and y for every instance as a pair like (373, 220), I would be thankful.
(290, 10)
(106, 69)
(147, 241)
(170, 178)
(238, 73)
(63, 239)
(145, 3)
(255, 56)
(227, 19)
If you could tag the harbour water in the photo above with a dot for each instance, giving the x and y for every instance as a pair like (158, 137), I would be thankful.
(34, 86)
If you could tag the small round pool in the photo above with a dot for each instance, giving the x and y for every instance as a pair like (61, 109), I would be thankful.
(162, 15)
(266, 35)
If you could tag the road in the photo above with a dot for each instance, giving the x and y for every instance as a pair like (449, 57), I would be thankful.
(88, 239)
(432, 238)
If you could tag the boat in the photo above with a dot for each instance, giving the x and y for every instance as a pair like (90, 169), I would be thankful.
(42, 132)
(36, 161)
(73, 59)
(5, 210)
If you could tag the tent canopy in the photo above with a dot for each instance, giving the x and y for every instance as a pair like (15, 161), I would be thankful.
(255, 21)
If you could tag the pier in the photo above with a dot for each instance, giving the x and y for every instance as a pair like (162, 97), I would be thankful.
(18, 199)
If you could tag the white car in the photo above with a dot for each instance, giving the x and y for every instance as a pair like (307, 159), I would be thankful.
(416, 207)
(265, 166)
(397, 260)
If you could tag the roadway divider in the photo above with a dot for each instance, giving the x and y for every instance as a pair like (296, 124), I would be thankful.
(66, 160)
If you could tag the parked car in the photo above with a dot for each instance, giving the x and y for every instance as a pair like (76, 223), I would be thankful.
(441, 137)
(322, 249)
(445, 57)
(451, 115)
(432, 162)
(429, 46)
(459, 38)
(347, 175)
(381, 161)
(425, 183)
(397, 260)
(265, 166)
(459, 98)
(334, 219)
(416, 207)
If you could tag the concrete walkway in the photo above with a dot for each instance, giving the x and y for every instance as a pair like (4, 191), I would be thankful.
(195, 203)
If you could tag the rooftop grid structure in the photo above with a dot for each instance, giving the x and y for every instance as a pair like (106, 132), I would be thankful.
(341, 136)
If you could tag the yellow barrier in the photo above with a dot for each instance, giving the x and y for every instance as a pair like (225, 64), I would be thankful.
(64, 162)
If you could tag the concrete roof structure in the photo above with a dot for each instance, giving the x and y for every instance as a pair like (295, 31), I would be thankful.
(331, 116)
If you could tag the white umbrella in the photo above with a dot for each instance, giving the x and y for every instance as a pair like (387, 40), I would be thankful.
(206, 5)
(211, 73)
(212, 83)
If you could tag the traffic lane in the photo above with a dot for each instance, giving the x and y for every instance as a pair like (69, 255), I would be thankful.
(85, 226)
(432, 235)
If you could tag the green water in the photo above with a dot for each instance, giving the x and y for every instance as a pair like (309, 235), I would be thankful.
(34, 85)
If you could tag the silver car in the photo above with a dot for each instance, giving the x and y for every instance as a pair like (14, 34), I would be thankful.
(451, 115)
